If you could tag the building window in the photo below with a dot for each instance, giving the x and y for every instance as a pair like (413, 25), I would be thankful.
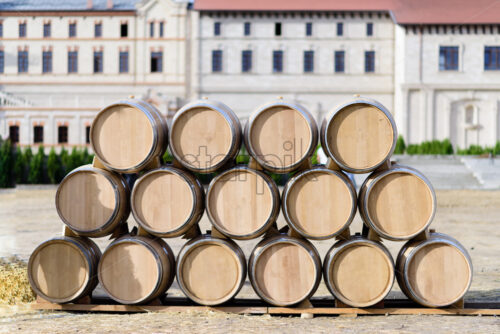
(491, 58)
(87, 134)
(216, 28)
(22, 29)
(369, 29)
(151, 29)
(277, 29)
(62, 134)
(47, 61)
(14, 134)
(156, 62)
(38, 134)
(46, 30)
(1, 29)
(162, 27)
(72, 30)
(123, 61)
(72, 61)
(369, 61)
(2, 61)
(247, 28)
(98, 61)
(448, 58)
(216, 60)
(339, 61)
(308, 61)
(246, 60)
(98, 30)
(22, 61)
(340, 29)
(277, 61)
(124, 30)
(309, 29)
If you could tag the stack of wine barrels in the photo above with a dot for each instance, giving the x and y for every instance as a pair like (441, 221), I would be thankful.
(243, 202)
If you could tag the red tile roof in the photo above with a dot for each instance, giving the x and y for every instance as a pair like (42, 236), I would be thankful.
(404, 11)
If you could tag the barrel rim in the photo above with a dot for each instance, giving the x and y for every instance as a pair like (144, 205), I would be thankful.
(299, 176)
(263, 245)
(135, 104)
(340, 247)
(313, 130)
(114, 214)
(273, 188)
(437, 238)
(227, 244)
(187, 223)
(230, 118)
(75, 244)
(376, 178)
(328, 120)
(132, 240)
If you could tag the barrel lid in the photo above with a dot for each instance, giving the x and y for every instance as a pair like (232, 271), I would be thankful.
(59, 270)
(122, 135)
(86, 200)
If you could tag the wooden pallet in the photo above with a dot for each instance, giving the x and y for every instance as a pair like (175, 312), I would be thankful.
(252, 306)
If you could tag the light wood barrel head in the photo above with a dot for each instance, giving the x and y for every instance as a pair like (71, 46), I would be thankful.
(280, 136)
(240, 203)
(360, 136)
(285, 273)
(122, 136)
(59, 270)
(201, 137)
(319, 204)
(163, 201)
(438, 274)
(86, 200)
(362, 275)
(211, 273)
(129, 272)
(400, 204)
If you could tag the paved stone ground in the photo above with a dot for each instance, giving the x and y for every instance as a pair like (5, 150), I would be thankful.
(28, 217)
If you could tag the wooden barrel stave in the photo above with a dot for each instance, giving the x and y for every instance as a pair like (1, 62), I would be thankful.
(211, 271)
(205, 136)
(136, 269)
(319, 203)
(269, 270)
(60, 261)
(397, 203)
(167, 201)
(281, 136)
(358, 272)
(128, 135)
(242, 203)
(359, 136)
(444, 272)
(93, 202)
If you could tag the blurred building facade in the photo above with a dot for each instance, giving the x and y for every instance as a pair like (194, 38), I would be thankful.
(435, 65)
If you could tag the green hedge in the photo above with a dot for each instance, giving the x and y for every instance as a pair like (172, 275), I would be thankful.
(19, 166)
(443, 147)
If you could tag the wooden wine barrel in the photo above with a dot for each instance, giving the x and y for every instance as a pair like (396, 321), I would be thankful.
(211, 271)
(435, 272)
(128, 135)
(136, 269)
(281, 135)
(64, 269)
(319, 203)
(167, 201)
(284, 270)
(205, 135)
(242, 203)
(397, 203)
(359, 272)
(93, 202)
(359, 135)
